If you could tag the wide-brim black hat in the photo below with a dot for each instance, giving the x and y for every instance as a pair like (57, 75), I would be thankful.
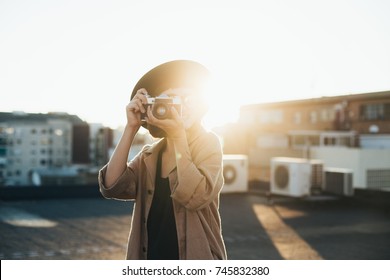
(173, 74)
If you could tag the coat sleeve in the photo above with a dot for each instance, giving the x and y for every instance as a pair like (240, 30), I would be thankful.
(199, 173)
(125, 187)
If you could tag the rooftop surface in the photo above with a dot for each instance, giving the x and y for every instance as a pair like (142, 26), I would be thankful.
(255, 227)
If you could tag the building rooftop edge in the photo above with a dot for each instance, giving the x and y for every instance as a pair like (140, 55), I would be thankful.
(30, 117)
(342, 97)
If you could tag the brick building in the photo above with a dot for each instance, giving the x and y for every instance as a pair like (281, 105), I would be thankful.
(296, 128)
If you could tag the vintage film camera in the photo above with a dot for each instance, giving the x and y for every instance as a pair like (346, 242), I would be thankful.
(161, 106)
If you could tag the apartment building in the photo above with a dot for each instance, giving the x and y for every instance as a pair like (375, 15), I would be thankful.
(33, 142)
(56, 149)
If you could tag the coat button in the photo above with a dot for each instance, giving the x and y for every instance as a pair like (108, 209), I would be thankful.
(150, 192)
(144, 249)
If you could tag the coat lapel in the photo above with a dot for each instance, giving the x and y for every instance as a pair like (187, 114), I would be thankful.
(151, 161)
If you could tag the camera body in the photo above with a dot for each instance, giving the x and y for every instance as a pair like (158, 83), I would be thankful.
(161, 106)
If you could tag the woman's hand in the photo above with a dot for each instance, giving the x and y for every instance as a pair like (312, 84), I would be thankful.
(173, 127)
(135, 108)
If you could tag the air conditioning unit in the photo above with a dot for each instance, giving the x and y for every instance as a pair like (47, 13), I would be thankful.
(338, 181)
(317, 175)
(290, 176)
(235, 173)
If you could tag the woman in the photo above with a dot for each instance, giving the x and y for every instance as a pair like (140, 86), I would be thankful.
(176, 181)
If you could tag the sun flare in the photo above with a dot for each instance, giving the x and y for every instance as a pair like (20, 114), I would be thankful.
(223, 105)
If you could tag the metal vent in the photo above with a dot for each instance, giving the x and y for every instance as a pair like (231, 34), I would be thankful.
(229, 174)
(378, 178)
(316, 175)
(281, 176)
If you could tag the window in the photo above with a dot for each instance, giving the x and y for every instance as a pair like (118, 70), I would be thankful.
(378, 111)
(271, 140)
(58, 132)
(277, 116)
(313, 117)
(9, 130)
(305, 140)
(345, 141)
(325, 115)
(330, 141)
(297, 117)
(264, 117)
(298, 140)
(45, 141)
(313, 140)
(271, 116)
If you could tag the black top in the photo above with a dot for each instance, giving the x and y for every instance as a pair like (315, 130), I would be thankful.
(162, 236)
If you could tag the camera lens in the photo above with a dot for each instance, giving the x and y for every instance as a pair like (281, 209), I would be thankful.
(160, 111)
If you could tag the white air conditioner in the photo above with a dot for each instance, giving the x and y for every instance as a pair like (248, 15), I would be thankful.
(235, 173)
(290, 176)
(338, 181)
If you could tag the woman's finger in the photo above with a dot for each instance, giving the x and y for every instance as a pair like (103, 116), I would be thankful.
(139, 104)
(175, 114)
(141, 95)
(151, 118)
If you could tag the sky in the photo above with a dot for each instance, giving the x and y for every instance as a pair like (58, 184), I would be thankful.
(84, 57)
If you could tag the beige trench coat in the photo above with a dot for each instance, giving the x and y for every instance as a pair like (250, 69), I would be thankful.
(195, 196)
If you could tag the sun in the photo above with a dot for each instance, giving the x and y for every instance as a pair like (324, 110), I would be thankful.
(224, 106)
